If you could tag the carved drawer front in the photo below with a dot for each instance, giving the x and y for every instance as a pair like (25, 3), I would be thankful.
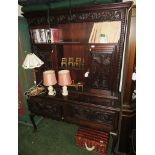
(87, 115)
(53, 109)
(46, 107)
(94, 100)
(36, 105)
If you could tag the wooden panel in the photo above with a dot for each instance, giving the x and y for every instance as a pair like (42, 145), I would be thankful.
(131, 59)
(97, 99)
(104, 65)
(45, 107)
(79, 32)
(102, 119)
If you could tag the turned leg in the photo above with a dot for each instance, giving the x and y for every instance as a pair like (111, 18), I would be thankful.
(33, 122)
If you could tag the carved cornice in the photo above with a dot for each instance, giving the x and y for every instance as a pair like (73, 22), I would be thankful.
(106, 12)
(102, 15)
(35, 21)
(93, 16)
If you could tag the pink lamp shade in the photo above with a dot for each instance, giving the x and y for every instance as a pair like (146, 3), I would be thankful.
(64, 78)
(49, 78)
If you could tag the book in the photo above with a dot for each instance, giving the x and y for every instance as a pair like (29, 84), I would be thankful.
(48, 35)
(37, 36)
(42, 36)
(34, 35)
(51, 35)
(56, 35)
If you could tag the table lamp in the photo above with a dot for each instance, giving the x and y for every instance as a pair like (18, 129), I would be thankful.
(64, 79)
(49, 80)
(32, 61)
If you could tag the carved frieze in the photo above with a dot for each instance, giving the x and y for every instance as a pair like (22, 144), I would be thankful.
(92, 115)
(102, 15)
(38, 21)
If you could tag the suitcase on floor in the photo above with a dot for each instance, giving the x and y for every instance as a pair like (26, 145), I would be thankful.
(92, 140)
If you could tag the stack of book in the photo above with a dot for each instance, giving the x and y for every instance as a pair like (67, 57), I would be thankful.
(51, 35)
(109, 30)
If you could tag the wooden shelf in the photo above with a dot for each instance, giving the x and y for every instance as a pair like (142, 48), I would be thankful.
(72, 68)
(75, 43)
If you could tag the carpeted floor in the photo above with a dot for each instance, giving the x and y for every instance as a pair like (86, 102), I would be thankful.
(52, 138)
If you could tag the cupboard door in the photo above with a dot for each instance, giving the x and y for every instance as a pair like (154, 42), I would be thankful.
(104, 64)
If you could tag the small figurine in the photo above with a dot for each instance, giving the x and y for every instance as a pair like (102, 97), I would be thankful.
(64, 62)
(70, 62)
(78, 62)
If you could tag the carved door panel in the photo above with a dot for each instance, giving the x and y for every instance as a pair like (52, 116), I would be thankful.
(103, 71)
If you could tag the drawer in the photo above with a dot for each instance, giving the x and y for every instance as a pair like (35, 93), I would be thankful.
(53, 109)
(94, 99)
(99, 118)
(45, 107)
(36, 106)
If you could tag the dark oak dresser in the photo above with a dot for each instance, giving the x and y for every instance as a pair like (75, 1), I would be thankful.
(100, 105)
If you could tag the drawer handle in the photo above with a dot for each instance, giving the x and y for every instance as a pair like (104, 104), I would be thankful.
(89, 148)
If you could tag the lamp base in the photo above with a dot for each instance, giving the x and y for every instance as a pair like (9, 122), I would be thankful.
(51, 91)
(64, 91)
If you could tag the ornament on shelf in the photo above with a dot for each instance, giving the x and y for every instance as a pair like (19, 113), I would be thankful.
(70, 62)
(64, 62)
